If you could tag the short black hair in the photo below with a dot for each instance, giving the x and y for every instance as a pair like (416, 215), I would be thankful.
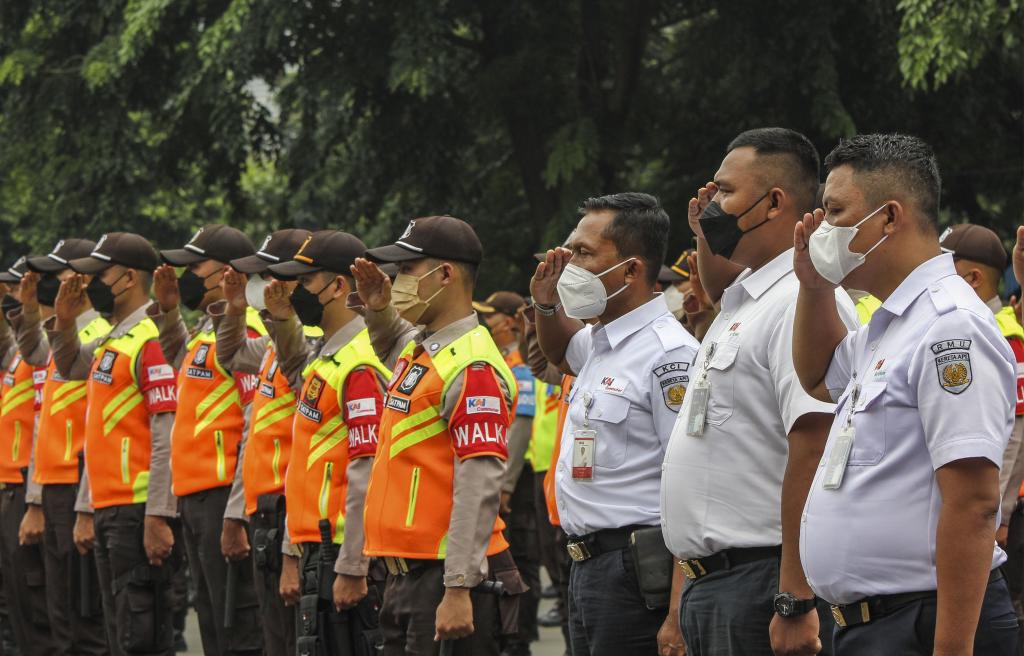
(801, 166)
(639, 229)
(895, 161)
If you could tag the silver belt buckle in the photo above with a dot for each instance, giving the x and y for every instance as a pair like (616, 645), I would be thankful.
(578, 551)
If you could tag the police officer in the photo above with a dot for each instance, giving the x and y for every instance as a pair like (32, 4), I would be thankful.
(77, 627)
(340, 389)
(208, 429)
(268, 443)
(125, 507)
(433, 518)
(633, 369)
(21, 559)
(748, 438)
(925, 407)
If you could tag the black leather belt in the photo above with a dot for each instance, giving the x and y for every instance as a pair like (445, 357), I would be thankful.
(698, 568)
(599, 542)
(871, 608)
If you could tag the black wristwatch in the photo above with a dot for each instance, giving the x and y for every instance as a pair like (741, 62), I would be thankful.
(786, 605)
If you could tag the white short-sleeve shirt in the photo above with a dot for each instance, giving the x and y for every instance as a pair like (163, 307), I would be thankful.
(634, 371)
(937, 384)
(724, 489)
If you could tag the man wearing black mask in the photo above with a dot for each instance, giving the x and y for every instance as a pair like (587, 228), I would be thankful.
(213, 412)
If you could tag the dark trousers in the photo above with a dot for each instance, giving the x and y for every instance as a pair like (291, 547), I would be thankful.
(1014, 566)
(728, 612)
(202, 517)
(137, 597)
(607, 615)
(409, 610)
(24, 578)
(278, 620)
(77, 622)
(910, 630)
(525, 548)
(552, 541)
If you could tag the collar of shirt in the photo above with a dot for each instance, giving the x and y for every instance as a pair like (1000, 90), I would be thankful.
(994, 304)
(344, 335)
(125, 325)
(448, 334)
(635, 320)
(917, 282)
(756, 283)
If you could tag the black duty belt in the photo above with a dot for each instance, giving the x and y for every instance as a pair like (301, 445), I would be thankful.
(872, 608)
(698, 568)
(402, 566)
(599, 542)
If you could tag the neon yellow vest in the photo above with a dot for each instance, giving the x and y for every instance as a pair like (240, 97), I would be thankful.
(545, 425)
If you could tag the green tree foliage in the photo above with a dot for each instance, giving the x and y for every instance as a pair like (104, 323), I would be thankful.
(159, 115)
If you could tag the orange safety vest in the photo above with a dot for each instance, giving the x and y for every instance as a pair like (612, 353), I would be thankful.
(117, 432)
(268, 449)
(209, 421)
(17, 418)
(415, 457)
(316, 481)
(549, 477)
(61, 433)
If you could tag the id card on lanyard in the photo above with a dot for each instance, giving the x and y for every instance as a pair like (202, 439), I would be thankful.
(584, 444)
(700, 394)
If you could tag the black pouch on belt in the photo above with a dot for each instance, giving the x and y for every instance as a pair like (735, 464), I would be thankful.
(503, 569)
(653, 563)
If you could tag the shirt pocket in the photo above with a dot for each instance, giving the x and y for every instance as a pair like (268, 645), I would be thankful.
(869, 425)
(608, 417)
(720, 403)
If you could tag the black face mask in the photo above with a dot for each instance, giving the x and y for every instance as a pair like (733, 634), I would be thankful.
(722, 230)
(307, 305)
(46, 290)
(193, 288)
(101, 295)
(9, 304)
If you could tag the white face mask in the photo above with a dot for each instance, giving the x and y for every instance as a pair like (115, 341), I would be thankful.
(254, 292)
(829, 246)
(582, 294)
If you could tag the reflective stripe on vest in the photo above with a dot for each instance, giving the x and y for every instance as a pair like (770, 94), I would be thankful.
(315, 482)
(17, 419)
(268, 449)
(545, 425)
(415, 458)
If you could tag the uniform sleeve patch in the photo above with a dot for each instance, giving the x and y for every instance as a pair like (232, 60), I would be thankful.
(673, 391)
(670, 367)
(953, 364)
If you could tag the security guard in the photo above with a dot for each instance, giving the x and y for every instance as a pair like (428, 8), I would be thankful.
(268, 444)
(21, 560)
(432, 504)
(77, 627)
(925, 395)
(340, 388)
(125, 507)
(500, 313)
(980, 259)
(633, 369)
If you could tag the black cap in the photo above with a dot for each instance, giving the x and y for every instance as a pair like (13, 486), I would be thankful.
(15, 272)
(279, 246)
(668, 276)
(975, 243)
(65, 251)
(503, 302)
(441, 237)
(324, 250)
(124, 248)
(211, 242)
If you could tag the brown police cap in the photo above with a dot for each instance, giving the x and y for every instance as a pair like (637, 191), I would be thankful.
(15, 272)
(324, 250)
(976, 243)
(124, 248)
(440, 237)
(279, 246)
(211, 242)
(503, 302)
(58, 258)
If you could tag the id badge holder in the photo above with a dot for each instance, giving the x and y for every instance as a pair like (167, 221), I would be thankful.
(697, 419)
(835, 468)
(584, 441)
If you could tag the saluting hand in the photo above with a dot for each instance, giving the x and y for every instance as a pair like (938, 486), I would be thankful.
(84, 533)
(232, 283)
(802, 265)
(157, 539)
(165, 287)
(544, 284)
(71, 301)
(27, 293)
(277, 297)
(372, 284)
(697, 206)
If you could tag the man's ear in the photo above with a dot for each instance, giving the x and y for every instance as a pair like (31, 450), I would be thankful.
(975, 278)
(342, 287)
(895, 217)
(777, 198)
(635, 269)
(447, 273)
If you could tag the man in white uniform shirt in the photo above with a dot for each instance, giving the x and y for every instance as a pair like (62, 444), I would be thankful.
(632, 369)
(899, 527)
(748, 438)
